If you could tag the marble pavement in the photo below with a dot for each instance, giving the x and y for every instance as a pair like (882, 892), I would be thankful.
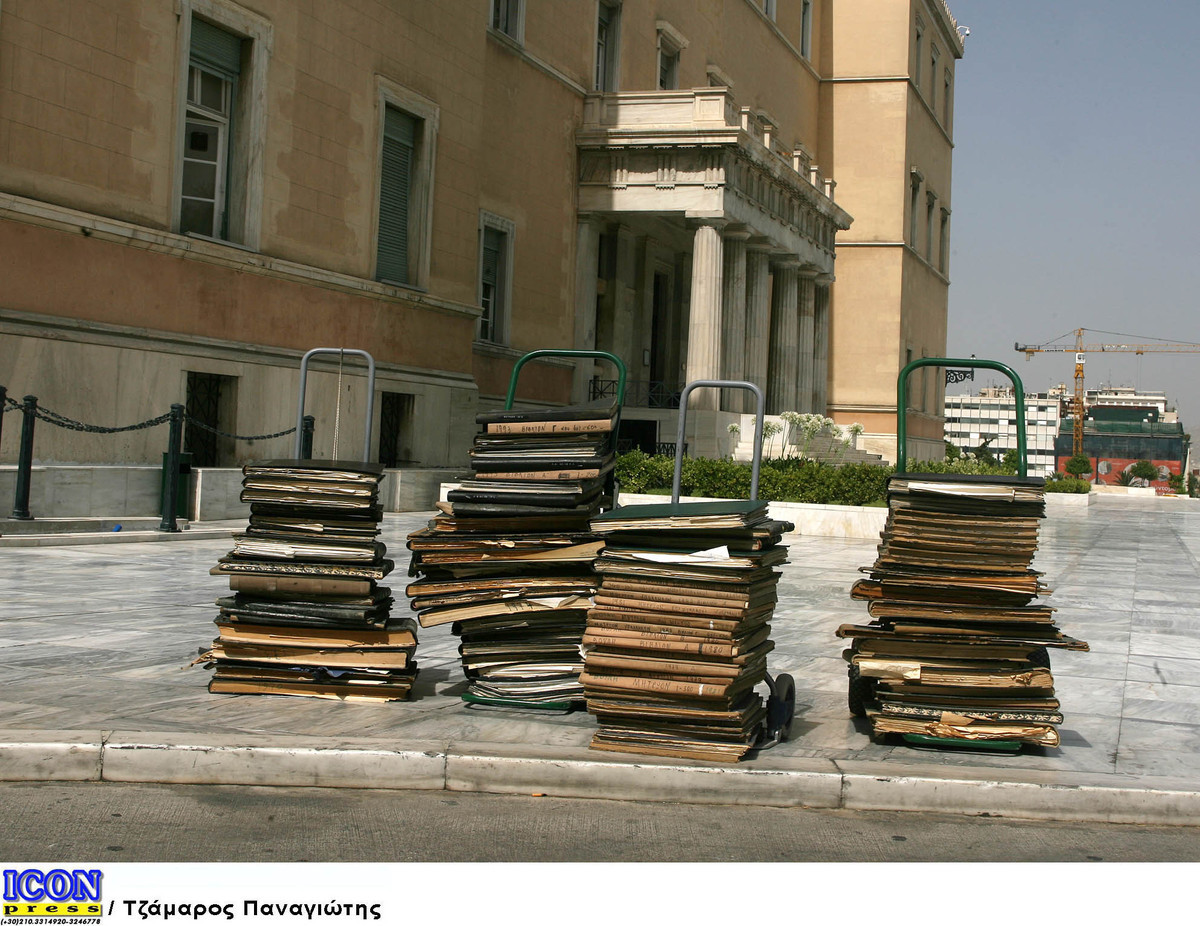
(95, 640)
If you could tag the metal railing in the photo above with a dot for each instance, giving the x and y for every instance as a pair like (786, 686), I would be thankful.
(176, 417)
(638, 393)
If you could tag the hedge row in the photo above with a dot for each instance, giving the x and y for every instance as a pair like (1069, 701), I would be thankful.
(792, 480)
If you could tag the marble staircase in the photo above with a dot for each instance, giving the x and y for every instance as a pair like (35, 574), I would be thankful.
(823, 447)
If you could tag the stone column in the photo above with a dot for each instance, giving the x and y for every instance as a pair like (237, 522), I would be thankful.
(782, 370)
(733, 314)
(758, 321)
(704, 316)
(806, 381)
(587, 269)
(821, 346)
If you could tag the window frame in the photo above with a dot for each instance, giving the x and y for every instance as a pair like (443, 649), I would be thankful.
(934, 55)
(947, 87)
(944, 244)
(222, 120)
(919, 56)
(420, 212)
(515, 19)
(915, 179)
(806, 23)
(931, 199)
(671, 44)
(500, 322)
(608, 58)
(247, 142)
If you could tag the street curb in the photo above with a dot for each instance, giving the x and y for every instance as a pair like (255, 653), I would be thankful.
(72, 540)
(574, 772)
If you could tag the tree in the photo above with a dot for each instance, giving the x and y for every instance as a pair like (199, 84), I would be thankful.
(1144, 469)
(984, 455)
(1079, 466)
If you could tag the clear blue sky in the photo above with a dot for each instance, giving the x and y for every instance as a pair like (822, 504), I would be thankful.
(1076, 189)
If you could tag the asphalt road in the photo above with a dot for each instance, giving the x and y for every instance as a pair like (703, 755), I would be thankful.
(104, 822)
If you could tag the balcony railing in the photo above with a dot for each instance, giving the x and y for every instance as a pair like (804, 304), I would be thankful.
(638, 393)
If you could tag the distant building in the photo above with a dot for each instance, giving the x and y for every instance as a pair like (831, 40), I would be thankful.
(992, 416)
(1122, 426)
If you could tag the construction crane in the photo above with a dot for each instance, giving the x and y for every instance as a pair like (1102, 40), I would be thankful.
(1081, 350)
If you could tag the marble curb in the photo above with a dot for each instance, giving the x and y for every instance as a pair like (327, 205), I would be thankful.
(68, 540)
(768, 781)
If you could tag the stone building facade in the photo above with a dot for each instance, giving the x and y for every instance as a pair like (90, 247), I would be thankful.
(195, 192)
(889, 98)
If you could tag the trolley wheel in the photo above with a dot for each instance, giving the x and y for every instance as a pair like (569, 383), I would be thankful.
(781, 707)
(1040, 657)
(860, 692)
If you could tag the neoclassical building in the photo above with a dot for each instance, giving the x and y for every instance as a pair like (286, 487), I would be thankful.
(195, 192)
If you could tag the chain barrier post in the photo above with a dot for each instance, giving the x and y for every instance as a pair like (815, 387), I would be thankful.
(306, 441)
(3, 408)
(25, 461)
(171, 480)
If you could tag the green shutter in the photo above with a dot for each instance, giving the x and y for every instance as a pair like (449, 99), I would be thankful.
(395, 188)
(216, 49)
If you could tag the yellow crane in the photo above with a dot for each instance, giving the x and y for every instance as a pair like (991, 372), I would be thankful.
(1081, 350)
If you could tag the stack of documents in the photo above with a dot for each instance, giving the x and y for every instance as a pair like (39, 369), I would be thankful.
(507, 562)
(308, 615)
(957, 648)
(680, 632)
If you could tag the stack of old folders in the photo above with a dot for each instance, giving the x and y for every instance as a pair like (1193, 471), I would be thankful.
(957, 651)
(307, 615)
(680, 632)
(507, 562)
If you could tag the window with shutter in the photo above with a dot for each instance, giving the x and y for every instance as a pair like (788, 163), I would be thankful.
(214, 65)
(395, 195)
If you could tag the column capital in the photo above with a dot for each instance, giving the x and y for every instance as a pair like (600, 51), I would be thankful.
(736, 233)
(716, 221)
(787, 262)
(824, 279)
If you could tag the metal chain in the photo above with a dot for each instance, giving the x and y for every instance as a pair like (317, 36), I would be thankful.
(200, 424)
(71, 424)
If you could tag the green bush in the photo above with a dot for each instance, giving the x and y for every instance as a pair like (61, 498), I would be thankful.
(1144, 469)
(962, 466)
(1071, 486)
(638, 472)
(1079, 465)
(788, 479)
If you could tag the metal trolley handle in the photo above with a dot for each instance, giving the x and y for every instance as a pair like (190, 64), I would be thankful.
(902, 404)
(369, 429)
(564, 352)
(760, 405)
